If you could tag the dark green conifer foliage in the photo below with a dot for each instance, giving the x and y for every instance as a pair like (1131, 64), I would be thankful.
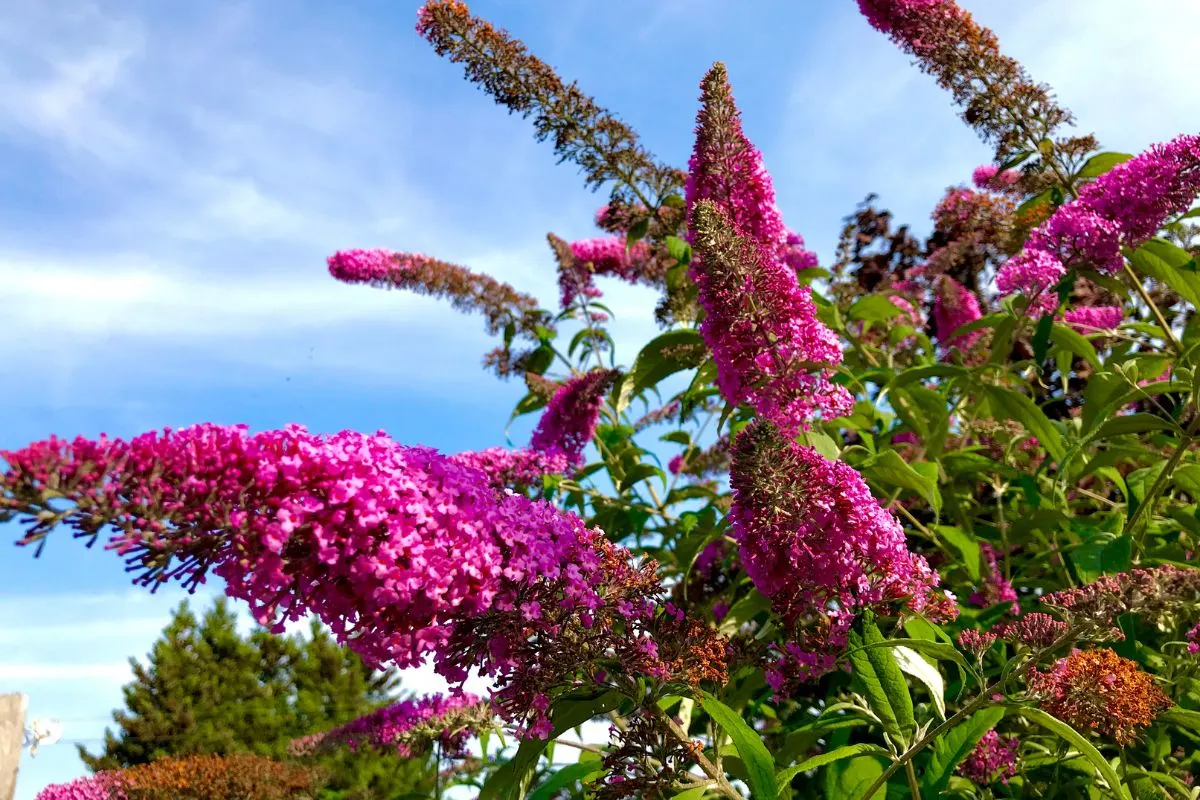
(206, 688)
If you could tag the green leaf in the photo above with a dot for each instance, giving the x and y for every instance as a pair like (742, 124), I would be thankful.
(1041, 337)
(851, 779)
(915, 665)
(679, 250)
(1076, 740)
(951, 748)
(822, 442)
(1102, 554)
(1181, 717)
(1019, 407)
(922, 374)
(889, 469)
(967, 546)
(742, 611)
(640, 472)
(1071, 340)
(882, 682)
(849, 751)
(692, 794)
(665, 355)
(638, 231)
(938, 650)
(1133, 423)
(1040, 199)
(1101, 163)
(1187, 478)
(750, 747)
(984, 322)
(873, 308)
(569, 775)
(1165, 262)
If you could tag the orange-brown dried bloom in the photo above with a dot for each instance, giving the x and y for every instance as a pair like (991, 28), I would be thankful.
(211, 777)
(1098, 690)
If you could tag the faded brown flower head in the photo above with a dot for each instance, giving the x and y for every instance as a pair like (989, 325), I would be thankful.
(999, 99)
(605, 148)
(1098, 690)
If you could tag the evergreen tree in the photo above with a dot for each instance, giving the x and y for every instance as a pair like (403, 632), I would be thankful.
(207, 689)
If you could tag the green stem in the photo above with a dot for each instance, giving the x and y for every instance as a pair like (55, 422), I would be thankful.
(913, 788)
(1163, 477)
(1158, 315)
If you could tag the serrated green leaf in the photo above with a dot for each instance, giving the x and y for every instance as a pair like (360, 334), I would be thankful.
(881, 681)
(950, 749)
(754, 754)
(1076, 740)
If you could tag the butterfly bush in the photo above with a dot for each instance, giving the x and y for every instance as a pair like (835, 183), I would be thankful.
(609, 255)
(1122, 208)
(954, 306)
(993, 760)
(818, 545)
(770, 348)
(1099, 690)
(783, 474)
(569, 421)
(407, 727)
(101, 786)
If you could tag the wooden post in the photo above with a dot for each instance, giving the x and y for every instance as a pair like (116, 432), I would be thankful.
(12, 736)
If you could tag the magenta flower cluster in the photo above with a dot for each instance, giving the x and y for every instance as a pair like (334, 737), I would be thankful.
(1090, 319)
(888, 15)
(995, 588)
(954, 305)
(401, 727)
(606, 255)
(993, 759)
(760, 324)
(398, 549)
(569, 421)
(1122, 208)
(101, 786)
(516, 469)
(990, 176)
(815, 541)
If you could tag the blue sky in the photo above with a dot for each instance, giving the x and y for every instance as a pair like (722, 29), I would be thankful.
(175, 174)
